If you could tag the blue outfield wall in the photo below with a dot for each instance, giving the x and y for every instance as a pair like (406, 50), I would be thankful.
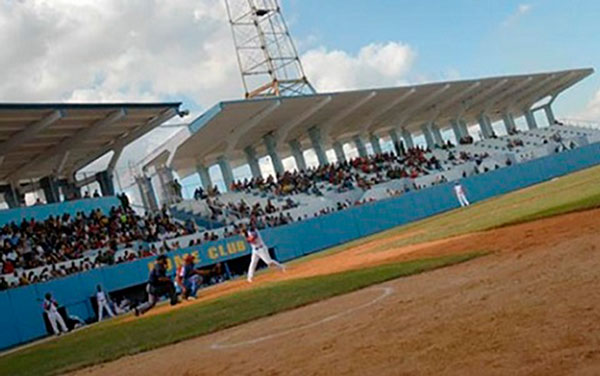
(42, 212)
(21, 313)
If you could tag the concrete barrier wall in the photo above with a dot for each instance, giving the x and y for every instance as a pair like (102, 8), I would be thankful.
(21, 313)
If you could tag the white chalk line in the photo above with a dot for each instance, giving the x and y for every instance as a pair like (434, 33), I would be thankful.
(221, 346)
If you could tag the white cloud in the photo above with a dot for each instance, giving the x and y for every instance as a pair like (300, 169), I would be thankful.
(375, 65)
(522, 9)
(592, 109)
(112, 50)
(140, 50)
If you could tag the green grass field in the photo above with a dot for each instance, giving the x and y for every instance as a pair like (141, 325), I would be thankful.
(113, 339)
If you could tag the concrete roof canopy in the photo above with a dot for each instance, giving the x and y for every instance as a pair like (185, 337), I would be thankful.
(48, 139)
(231, 126)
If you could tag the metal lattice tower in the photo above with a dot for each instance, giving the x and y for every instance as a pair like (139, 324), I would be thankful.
(266, 54)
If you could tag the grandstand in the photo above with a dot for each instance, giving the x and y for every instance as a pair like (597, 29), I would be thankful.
(446, 115)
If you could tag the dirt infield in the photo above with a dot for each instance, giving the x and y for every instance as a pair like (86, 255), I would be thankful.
(532, 307)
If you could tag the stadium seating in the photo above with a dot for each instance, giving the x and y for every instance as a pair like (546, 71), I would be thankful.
(326, 194)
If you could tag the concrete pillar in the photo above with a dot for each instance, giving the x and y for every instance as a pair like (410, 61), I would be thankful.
(147, 193)
(374, 140)
(11, 196)
(252, 161)
(70, 190)
(298, 154)
(169, 194)
(509, 122)
(408, 140)
(485, 124)
(549, 114)
(204, 176)
(50, 187)
(463, 127)
(226, 171)
(360, 146)
(437, 134)
(530, 119)
(396, 141)
(428, 136)
(457, 129)
(338, 148)
(315, 138)
(105, 180)
(271, 145)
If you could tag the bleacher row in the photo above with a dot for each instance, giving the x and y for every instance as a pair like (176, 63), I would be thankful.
(452, 164)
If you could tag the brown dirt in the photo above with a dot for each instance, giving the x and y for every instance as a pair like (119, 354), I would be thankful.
(532, 307)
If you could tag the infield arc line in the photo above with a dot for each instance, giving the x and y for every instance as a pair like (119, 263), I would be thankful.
(387, 291)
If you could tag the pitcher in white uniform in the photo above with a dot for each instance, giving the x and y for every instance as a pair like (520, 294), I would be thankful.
(460, 195)
(259, 251)
(102, 303)
(51, 308)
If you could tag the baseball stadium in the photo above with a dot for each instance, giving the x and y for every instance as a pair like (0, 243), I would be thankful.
(436, 228)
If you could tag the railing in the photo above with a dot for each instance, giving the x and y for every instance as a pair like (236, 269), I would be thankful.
(580, 123)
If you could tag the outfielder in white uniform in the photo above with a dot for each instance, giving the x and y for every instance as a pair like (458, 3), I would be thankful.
(102, 303)
(51, 308)
(460, 194)
(259, 251)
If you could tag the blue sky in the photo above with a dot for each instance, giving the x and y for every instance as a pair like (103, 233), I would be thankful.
(463, 38)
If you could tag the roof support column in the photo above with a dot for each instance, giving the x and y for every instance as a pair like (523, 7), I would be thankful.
(252, 161)
(298, 155)
(408, 140)
(463, 127)
(428, 136)
(226, 171)
(530, 119)
(50, 187)
(315, 137)
(549, 114)
(360, 146)
(374, 140)
(11, 196)
(509, 123)
(204, 176)
(105, 180)
(457, 129)
(485, 124)
(338, 148)
(437, 134)
(146, 189)
(398, 147)
(271, 145)
(70, 190)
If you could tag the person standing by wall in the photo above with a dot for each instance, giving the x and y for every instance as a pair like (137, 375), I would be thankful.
(51, 309)
(102, 299)
(460, 195)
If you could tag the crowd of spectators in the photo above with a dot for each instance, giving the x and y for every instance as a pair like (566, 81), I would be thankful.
(64, 239)
(361, 172)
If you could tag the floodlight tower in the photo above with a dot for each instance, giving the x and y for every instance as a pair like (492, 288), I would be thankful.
(266, 54)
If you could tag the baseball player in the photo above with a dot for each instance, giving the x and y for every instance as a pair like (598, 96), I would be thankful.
(189, 278)
(102, 299)
(460, 194)
(259, 251)
(51, 308)
(158, 285)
